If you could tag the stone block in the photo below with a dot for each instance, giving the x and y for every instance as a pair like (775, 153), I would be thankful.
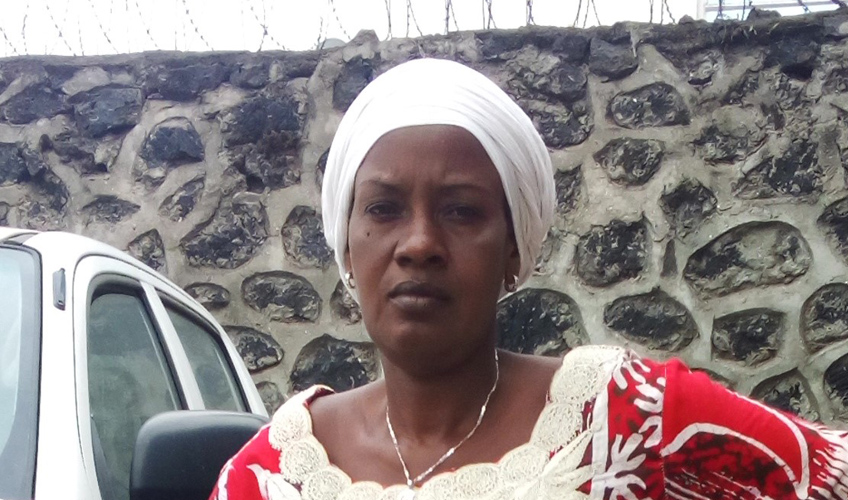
(609, 254)
(795, 56)
(107, 110)
(612, 62)
(824, 317)
(108, 209)
(148, 248)
(211, 296)
(337, 363)
(728, 142)
(343, 306)
(283, 296)
(795, 174)
(46, 207)
(263, 136)
(258, 350)
(788, 392)
(836, 81)
(570, 46)
(303, 239)
(19, 164)
(86, 155)
(756, 254)
(561, 125)
(567, 184)
(34, 102)
(687, 205)
(629, 161)
(541, 322)
(654, 105)
(271, 396)
(230, 238)
(320, 166)
(750, 337)
(356, 74)
(172, 142)
(836, 384)
(187, 81)
(701, 67)
(251, 76)
(181, 203)
(500, 44)
(258, 116)
(654, 320)
(546, 77)
(742, 89)
(169, 144)
(834, 222)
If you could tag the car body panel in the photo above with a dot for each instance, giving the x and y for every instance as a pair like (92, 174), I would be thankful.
(65, 458)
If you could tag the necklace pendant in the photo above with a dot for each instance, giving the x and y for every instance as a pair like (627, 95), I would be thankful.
(407, 494)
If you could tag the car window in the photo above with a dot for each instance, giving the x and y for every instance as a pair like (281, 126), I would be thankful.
(129, 381)
(213, 372)
(19, 369)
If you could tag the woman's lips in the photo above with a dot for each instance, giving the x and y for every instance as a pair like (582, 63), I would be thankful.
(418, 297)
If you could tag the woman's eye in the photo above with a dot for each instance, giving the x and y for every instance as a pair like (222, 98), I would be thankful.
(463, 212)
(382, 209)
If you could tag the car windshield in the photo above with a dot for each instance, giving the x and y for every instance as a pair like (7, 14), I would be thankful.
(19, 368)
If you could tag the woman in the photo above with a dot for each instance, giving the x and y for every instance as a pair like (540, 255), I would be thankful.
(437, 195)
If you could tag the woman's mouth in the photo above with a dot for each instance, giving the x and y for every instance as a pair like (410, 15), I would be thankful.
(418, 297)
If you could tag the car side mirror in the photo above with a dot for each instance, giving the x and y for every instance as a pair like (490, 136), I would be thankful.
(179, 454)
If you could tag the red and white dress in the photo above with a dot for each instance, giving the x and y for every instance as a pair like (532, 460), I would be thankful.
(615, 427)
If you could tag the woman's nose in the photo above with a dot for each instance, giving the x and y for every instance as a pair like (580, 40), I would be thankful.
(421, 242)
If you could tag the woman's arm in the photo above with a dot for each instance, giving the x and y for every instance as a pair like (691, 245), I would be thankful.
(718, 444)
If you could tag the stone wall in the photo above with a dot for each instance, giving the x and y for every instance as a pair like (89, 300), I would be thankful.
(701, 173)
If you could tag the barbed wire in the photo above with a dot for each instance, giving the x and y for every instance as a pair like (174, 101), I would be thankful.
(145, 25)
(595, 8)
(196, 29)
(410, 16)
(338, 21)
(667, 8)
(23, 28)
(67, 27)
(102, 28)
(264, 26)
(450, 13)
(58, 29)
(389, 17)
(488, 16)
(9, 42)
(577, 16)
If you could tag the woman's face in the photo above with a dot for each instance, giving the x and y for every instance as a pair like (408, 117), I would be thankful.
(429, 243)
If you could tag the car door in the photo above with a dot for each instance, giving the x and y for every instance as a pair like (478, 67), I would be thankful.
(130, 366)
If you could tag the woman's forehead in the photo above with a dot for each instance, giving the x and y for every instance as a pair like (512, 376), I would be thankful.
(444, 153)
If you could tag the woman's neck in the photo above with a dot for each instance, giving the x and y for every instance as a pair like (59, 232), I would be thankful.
(443, 406)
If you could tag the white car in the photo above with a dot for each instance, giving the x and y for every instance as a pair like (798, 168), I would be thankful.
(93, 343)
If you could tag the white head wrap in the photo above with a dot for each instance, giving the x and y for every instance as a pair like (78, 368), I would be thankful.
(439, 92)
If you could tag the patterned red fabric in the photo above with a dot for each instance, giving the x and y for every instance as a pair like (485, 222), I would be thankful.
(658, 431)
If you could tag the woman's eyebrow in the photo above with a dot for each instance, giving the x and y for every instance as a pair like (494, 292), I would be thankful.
(380, 185)
(463, 186)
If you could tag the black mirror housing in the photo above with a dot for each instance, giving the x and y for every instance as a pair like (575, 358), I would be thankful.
(178, 455)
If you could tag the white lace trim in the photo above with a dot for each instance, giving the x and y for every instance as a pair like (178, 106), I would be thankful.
(545, 468)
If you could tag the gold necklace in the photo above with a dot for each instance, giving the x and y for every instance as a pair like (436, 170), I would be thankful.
(409, 494)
